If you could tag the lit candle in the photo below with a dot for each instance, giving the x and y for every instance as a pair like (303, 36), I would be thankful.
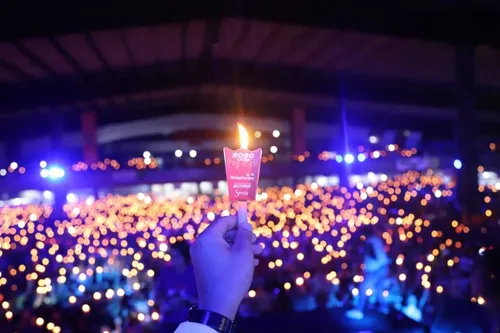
(242, 173)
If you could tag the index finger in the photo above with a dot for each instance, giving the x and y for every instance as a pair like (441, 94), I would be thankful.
(222, 225)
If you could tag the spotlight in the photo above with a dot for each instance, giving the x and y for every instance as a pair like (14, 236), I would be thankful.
(457, 164)
(193, 153)
(361, 157)
(178, 153)
(339, 158)
(56, 172)
(53, 173)
(276, 133)
(273, 149)
(146, 154)
(44, 173)
(348, 158)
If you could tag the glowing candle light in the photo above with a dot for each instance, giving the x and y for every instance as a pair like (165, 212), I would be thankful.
(9, 315)
(242, 173)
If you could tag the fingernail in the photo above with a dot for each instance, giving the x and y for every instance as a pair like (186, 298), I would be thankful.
(247, 226)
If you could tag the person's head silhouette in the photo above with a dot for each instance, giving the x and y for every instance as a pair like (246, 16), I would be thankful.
(485, 281)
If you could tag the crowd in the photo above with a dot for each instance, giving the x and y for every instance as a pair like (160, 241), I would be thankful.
(121, 263)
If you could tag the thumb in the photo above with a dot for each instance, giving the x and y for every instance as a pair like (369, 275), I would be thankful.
(243, 239)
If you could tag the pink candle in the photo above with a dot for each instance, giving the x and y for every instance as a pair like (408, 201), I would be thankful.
(242, 173)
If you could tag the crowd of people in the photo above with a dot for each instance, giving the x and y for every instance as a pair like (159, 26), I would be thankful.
(121, 263)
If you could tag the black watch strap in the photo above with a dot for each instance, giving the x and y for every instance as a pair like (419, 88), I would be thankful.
(211, 319)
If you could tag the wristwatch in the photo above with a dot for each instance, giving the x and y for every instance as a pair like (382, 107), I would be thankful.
(211, 319)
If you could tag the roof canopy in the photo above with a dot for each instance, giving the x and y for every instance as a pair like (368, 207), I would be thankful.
(129, 62)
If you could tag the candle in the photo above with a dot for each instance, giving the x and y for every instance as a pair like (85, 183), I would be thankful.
(242, 173)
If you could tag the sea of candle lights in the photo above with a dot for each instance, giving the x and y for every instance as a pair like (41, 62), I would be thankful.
(116, 246)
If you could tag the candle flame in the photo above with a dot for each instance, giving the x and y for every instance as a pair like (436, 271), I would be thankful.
(243, 136)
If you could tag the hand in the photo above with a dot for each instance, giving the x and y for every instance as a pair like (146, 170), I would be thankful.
(223, 260)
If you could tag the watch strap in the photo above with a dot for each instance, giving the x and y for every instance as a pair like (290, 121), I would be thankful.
(211, 319)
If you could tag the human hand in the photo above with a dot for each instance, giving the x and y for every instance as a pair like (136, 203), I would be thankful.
(223, 260)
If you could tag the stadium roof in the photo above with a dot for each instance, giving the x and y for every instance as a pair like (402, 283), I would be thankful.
(130, 61)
